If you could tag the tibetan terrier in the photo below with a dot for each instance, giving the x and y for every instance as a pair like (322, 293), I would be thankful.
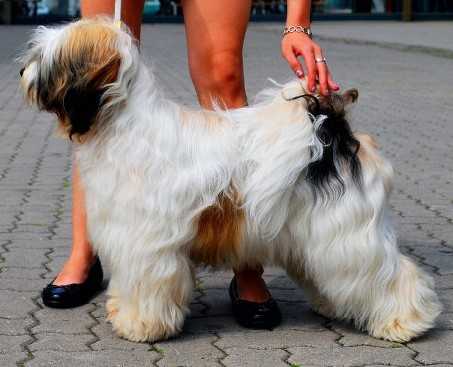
(284, 181)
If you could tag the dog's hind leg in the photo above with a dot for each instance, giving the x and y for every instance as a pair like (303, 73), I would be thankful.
(350, 253)
(148, 298)
(319, 303)
(358, 274)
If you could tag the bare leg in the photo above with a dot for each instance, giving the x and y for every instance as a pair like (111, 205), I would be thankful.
(76, 268)
(215, 33)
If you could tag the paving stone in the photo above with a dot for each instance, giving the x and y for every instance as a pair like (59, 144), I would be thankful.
(440, 257)
(15, 326)
(12, 358)
(62, 342)
(217, 301)
(282, 282)
(351, 337)
(103, 358)
(26, 258)
(277, 338)
(15, 305)
(7, 273)
(435, 347)
(212, 325)
(246, 357)
(12, 343)
(289, 295)
(334, 355)
(71, 321)
(445, 321)
(301, 317)
(21, 284)
(189, 351)
(108, 340)
(446, 297)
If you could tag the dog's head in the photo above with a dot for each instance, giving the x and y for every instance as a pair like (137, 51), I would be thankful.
(340, 147)
(77, 70)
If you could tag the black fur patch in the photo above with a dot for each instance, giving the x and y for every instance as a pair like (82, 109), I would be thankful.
(82, 107)
(340, 150)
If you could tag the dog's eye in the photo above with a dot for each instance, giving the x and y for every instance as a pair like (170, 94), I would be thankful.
(21, 72)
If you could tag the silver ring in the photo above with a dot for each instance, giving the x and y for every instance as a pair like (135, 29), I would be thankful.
(321, 60)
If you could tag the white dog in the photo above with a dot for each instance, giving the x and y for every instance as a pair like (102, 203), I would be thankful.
(281, 182)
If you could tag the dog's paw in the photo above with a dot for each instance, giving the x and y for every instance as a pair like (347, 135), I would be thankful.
(396, 331)
(130, 325)
(112, 308)
(404, 329)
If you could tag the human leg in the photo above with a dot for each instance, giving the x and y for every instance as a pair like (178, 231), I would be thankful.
(215, 32)
(77, 268)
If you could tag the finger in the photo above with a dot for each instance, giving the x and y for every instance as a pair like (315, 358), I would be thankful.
(322, 72)
(309, 59)
(332, 84)
(294, 63)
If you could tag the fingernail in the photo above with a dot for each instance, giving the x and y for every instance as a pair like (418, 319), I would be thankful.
(299, 73)
(313, 89)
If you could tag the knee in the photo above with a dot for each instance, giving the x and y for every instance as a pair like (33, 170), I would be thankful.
(221, 76)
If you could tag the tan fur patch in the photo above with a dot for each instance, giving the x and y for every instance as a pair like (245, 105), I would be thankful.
(87, 62)
(220, 231)
(367, 145)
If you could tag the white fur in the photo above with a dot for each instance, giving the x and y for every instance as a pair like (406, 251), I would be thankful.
(154, 166)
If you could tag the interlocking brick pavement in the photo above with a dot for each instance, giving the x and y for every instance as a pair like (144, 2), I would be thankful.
(406, 101)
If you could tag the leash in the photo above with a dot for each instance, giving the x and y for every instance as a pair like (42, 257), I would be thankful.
(117, 14)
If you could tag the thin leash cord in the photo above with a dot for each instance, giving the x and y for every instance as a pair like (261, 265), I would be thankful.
(117, 15)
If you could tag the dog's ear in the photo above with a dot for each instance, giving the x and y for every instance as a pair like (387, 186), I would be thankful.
(350, 96)
(85, 98)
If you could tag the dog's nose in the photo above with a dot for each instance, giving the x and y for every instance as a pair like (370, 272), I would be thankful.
(21, 72)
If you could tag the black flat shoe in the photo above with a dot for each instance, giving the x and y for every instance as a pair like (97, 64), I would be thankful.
(74, 295)
(254, 315)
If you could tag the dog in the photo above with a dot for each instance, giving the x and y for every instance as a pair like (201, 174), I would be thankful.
(284, 181)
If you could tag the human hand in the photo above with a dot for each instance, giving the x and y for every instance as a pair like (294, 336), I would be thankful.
(298, 44)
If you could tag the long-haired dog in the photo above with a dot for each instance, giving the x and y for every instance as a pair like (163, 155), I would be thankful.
(283, 182)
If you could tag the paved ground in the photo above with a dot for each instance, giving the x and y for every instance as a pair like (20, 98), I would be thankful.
(406, 100)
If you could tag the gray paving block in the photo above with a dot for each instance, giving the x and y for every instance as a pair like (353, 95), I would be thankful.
(334, 355)
(12, 343)
(15, 326)
(246, 357)
(25, 258)
(351, 337)
(69, 321)
(189, 351)
(93, 359)
(8, 273)
(21, 284)
(11, 358)
(62, 342)
(15, 305)
(277, 338)
(436, 347)
(108, 340)
(300, 316)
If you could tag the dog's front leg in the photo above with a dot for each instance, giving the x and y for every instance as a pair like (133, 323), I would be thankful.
(148, 301)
